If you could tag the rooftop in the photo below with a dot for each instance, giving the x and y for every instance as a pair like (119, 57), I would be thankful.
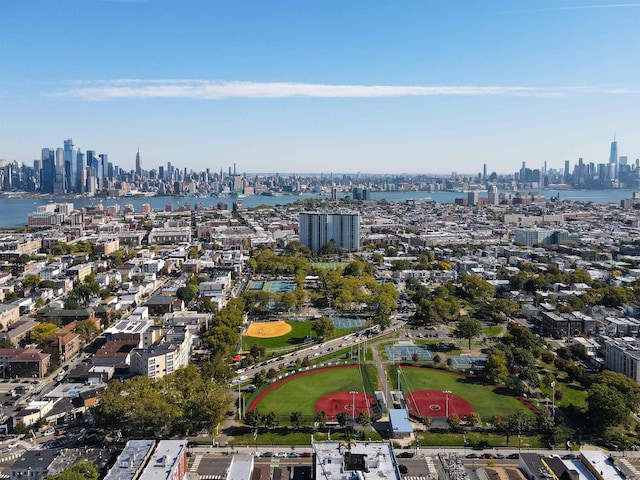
(339, 460)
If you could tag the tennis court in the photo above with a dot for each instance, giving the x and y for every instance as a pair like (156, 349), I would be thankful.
(349, 322)
(402, 352)
(468, 362)
(280, 286)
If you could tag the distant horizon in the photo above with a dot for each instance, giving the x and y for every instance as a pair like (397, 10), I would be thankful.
(288, 86)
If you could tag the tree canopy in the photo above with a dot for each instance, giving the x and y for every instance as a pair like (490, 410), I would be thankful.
(468, 328)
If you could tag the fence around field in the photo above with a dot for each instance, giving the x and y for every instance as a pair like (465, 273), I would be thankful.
(468, 362)
(405, 352)
(309, 419)
(349, 322)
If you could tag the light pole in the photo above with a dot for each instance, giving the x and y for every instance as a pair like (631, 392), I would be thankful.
(446, 402)
(553, 400)
(353, 405)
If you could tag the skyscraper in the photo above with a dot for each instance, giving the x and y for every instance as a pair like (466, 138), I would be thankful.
(48, 173)
(320, 228)
(138, 164)
(69, 165)
(613, 157)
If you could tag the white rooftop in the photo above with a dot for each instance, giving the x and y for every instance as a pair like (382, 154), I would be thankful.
(332, 460)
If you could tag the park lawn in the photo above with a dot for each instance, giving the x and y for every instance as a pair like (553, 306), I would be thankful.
(280, 438)
(448, 439)
(302, 392)
(571, 394)
(492, 332)
(482, 397)
(330, 265)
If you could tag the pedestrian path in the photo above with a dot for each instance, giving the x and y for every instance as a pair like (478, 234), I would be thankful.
(431, 468)
(196, 463)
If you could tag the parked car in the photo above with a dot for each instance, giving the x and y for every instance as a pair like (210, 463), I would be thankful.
(486, 455)
(305, 454)
(405, 455)
(499, 456)
(473, 455)
(513, 456)
(403, 468)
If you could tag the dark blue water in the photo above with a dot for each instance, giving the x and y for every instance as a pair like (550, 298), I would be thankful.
(14, 211)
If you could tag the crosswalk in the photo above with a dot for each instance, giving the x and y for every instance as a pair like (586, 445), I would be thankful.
(211, 477)
(414, 477)
(196, 463)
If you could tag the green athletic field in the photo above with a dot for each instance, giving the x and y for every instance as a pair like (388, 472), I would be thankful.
(299, 330)
(302, 392)
(482, 398)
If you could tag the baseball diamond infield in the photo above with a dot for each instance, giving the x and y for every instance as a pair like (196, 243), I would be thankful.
(268, 329)
(337, 402)
(435, 403)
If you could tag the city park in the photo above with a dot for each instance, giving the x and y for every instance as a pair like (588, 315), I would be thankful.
(449, 397)
(337, 390)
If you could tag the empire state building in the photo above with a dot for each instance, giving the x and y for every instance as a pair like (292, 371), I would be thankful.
(138, 164)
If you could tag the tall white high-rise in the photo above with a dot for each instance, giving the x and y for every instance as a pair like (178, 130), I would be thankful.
(613, 157)
(138, 164)
(320, 228)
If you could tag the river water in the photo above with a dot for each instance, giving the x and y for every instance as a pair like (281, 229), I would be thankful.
(14, 211)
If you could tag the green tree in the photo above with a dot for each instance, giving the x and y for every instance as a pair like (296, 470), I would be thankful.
(87, 330)
(289, 300)
(453, 421)
(218, 370)
(495, 369)
(272, 419)
(42, 332)
(468, 328)
(323, 327)
(544, 421)
(205, 305)
(364, 419)
(187, 293)
(496, 421)
(475, 288)
(606, 407)
(71, 303)
(474, 419)
(321, 418)
(47, 284)
(31, 281)
(297, 419)
(78, 471)
(518, 422)
(343, 419)
(254, 418)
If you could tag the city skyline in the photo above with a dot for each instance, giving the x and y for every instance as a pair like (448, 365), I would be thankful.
(429, 87)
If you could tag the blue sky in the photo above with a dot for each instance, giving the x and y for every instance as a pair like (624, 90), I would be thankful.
(429, 86)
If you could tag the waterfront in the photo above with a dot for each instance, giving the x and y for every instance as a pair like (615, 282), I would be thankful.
(15, 210)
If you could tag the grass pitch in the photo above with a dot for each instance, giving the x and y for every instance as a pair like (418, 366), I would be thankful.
(302, 392)
(485, 399)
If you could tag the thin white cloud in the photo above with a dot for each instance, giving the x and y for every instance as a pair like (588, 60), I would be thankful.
(586, 7)
(216, 90)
